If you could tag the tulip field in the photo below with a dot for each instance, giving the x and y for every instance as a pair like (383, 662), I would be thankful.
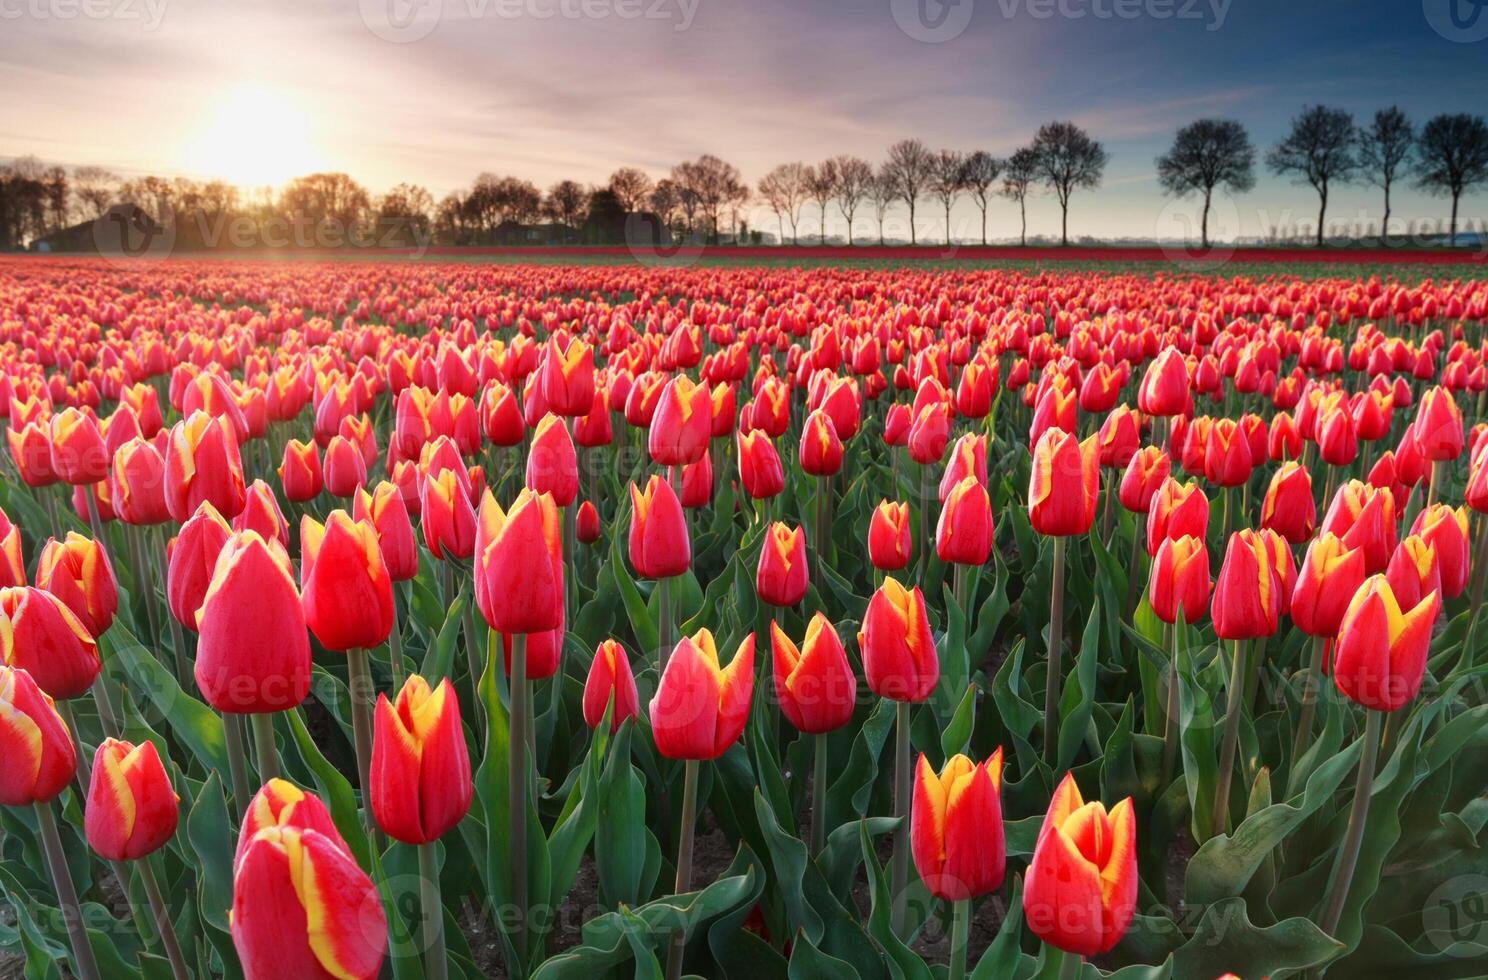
(425, 620)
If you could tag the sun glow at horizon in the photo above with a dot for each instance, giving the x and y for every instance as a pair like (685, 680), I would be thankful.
(254, 137)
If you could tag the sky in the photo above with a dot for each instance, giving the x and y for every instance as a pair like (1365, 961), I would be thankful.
(436, 91)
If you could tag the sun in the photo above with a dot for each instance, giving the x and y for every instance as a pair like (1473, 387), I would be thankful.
(254, 137)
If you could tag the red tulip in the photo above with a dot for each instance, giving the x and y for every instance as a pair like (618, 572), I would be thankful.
(345, 587)
(132, 810)
(1164, 390)
(78, 455)
(782, 574)
(12, 562)
(1331, 573)
(1445, 529)
(1249, 594)
(610, 681)
(888, 536)
(700, 707)
(420, 777)
(1227, 460)
(955, 829)
(39, 634)
(191, 557)
(898, 650)
(31, 451)
(202, 464)
(77, 571)
(447, 517)
(821, 450)
(1414, 572)
(384, 509)
(39, 756)
(586, 523)
(1145, 473)
(760, 472)
(261, 513)
(659, 545)
(1180, 579)
(519, 564)
(814, 683)
(1437, 427)
(964, 533)
(1380, 657)
(1288, 508)
(1177, 509)
(1063, 485)
(138, 484)
(683, 423)
(568, 377)
(1364, 517)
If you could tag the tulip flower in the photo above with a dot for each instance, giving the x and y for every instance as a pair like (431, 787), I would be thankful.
(782, 574)
(1180, 580)
(300, 473)
(1227, 460)
(78, 455)
(38, 749)
(1288, 508)
(899, 658)
(345, 469)
(1331, 573)
(1337, 443)
(77, 571)
(202, 464)
(760, 472)
(586, 523)
(40, 760)
(420, 776)
(1248, 599)
(700, 707)
(383, 508)
(888, 536)
(968, 459)
(1177, 509)
(1414, 572)
(1445, 529)
(447, 516)
(568, 377)
(963, 535)
(821, 450)
(659, 546)
(31, 451)
(281, 804)
(1081, 891)
(1364, 517)
(41, 635)
(1437, 426)
(519, 564)
(191, 558)
(896, 425)
(1120, 437)
(1063, 485)
(12, 561)
(552, 463)
(814, 683)
(345, 586)
(137, 482)
(929, 431)
(261, 513)
(1380, 658)
(303, 908)
(1165, 390)
(683, 423)
(132, 810)
(610, 685)
(956, 828)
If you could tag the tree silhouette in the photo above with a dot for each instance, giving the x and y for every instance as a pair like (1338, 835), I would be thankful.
(1206, 154)
(1318, 151)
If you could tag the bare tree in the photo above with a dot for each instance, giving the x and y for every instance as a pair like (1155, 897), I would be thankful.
(1068, 160)
(706, 185)
(978, 173)
(1454, 158)
(1207, 154)
(666, 200)
(326, 197)
(1021, 172)
(909, 169)
(631, 188)
(821, 184)
(1385, 149)
(95, 189)
(784, 191)
(882, 193)
(946, 178)
(566, 203)
(1319, 150)
(854, 175)
(739, 197)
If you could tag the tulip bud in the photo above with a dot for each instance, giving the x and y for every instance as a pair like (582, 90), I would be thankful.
(191, 557)
(1082, 882)
(138, 484)
(345, 587)
(759, 465)
(300, 473)
(39, 634)
(1331, 573)
(420, 776)
(1445, 529)
(261, 513)
(821, 450)
(659, 544)
(1063, 484)
(202, 464)
(78, 572)
(78, 456)
(1165, 390)
(447, 517)
(12, 561)
(552, 464)
(568, 377)
(968, 458)
(1180, 579)
(31, 451)
(896, 425)
(814, 684)
(1380, 658)
(928, 433)
(955, 828)
(303, 908)
(1248, 594)
(899, 658)
(782, 574)
(683, 423)
(1288, 508)
(610, 679)
(1437, 426)
(586, 523)
(700, 708)
(963, 534)
(254, 653)
(1177, 509)
(385, 510)
(519, 564)
(1120, 437)
(888, 536)
(38, 750)
(1364, 517)
(132, 810)
(1414, 571)
(1146, 472)
(1227, 460)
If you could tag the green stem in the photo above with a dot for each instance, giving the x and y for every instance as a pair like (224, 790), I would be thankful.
(1170, 715)
(516, 785)
(161, 912)
(1133, 570)
(900, 876)
(1234, 699)
(82, 954)
(1055, 676)
(1348, 854)
(95, 522)
(960, 932)
(1070, 966)
(684, 862)
(664, 634)
(1312, 690)
(819, 795)
(395, 647)
(436, 964)
(237, 757)
(359, 673)
(268, 747)
(84, 760)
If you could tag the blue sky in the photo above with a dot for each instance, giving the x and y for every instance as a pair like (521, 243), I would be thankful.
(259, 89)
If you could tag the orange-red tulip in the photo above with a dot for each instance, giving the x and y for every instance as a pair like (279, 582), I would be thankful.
(39, 634)
(1064, 484)
(955, 828)
(1415, 570)
(700, 707)
(898, 649)
(12, 561)
(659, 545)
(202, 464)
(1331, 573)
(78, 455)
(447, 516)
(552, 463)
(759, 465)
(1180, 579)
(420, 776)
(821, 449)
(138, 484)
(1164, 390)
(782, 574)
(1437, 426)
(261, 513)
(132, 810)
(888, 536)
(1082, 881)
(1380, 658)
(1145, 473)
(1176, 509)
(1445, 529)
(610, 679)
(1364, 517)
(344, 583)
(682, 424)
(31, 451)
(1249, 594)
(568, 377)
(814, 683)
(964, 533)
(519, 564)
(384, 509)
(77, 571)
(38, 750)
(1288, 508)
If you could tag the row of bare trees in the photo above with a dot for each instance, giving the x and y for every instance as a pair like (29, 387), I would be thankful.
(1324, 148)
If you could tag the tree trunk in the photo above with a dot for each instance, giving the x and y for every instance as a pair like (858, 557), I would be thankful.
(824, 225)
(1023, 214)
(1322, 210)
(1204, 223)
(948, 224)
(880, 231)
(1064, 223)
(1385, 228)
(984, 224)
(1453, 238)
(912, 240)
